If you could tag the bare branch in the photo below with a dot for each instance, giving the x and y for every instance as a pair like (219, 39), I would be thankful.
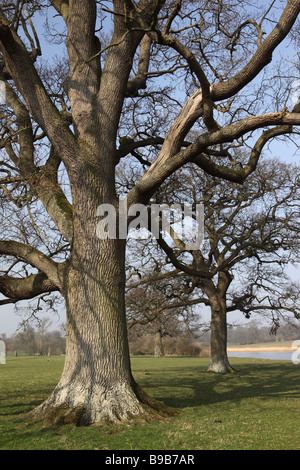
(25, 288)
(25, 76)
(139, 81)
(164, 165)
(34, 257)
(62, 7)
(42, 180)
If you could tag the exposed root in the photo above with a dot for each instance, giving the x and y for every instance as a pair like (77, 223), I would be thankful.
(120, 405)
(220, 368)
(60, 415)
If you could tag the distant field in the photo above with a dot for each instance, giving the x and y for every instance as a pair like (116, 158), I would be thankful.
(255, 408)
(272, 346)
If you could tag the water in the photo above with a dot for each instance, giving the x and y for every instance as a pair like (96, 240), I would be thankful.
(275, 355)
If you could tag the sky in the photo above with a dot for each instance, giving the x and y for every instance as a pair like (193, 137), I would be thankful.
(10, 319)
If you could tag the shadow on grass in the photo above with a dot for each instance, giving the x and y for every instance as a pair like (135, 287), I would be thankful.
(187, 384)
(192, 386)
(22, 401)
(19, 409)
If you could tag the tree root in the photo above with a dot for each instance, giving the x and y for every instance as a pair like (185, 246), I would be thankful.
(132, 406)
(221, 368)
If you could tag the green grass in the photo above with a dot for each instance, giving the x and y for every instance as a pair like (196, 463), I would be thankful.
(256, 408)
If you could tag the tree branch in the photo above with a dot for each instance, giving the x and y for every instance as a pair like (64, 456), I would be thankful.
(42, 180)
(263, 55)
(164, 165)
(193, 108)
(16, 289)
(34, 257)
(28, 82)
(203, 273)
(62, 7)
(139, 81)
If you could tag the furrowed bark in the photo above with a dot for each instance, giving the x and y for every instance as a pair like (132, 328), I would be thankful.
(84, 79)
(140, 80)
(96, 385)
(219, 360)
(62, 7)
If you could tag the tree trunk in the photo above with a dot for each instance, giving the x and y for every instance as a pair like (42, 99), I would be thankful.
(97, 383)
(219, 362)
(158, 344)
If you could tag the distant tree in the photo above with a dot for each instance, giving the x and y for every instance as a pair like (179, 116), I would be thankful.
(253, 332)
(41, 334)
(159, 303)
(24, 341)
(39, 341)
(251, 237)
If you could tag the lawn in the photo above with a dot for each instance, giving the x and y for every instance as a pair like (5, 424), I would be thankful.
(256, 408)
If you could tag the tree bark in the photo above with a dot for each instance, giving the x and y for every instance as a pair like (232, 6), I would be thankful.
(97, 384)
(219, 362)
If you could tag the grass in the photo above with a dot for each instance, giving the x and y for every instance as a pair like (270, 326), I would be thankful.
(256, 408)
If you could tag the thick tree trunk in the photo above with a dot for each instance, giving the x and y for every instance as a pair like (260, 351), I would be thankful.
(97, 383)
(219, 362)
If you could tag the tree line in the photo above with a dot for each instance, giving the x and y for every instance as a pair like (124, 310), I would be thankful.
(255, 333)
(147, 340)
(39, 341)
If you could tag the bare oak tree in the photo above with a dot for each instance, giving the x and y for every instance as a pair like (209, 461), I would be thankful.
(251, 239)
(215, 50)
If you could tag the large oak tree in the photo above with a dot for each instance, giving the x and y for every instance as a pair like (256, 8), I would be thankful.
(114, 89)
